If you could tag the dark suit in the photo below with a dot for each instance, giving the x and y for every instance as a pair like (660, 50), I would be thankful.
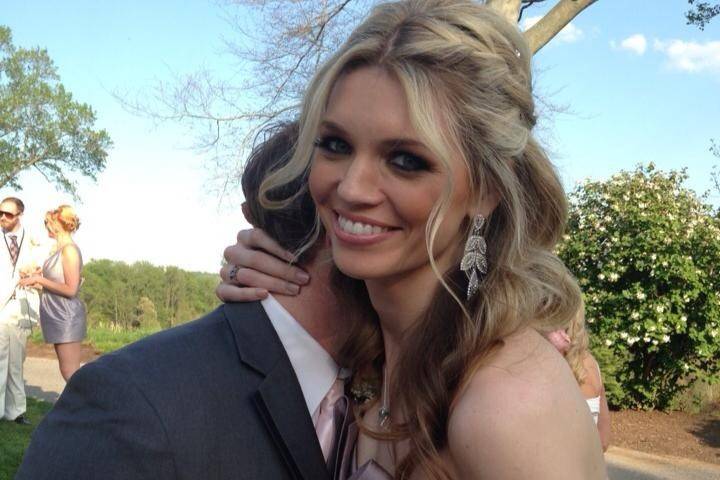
(213, 399)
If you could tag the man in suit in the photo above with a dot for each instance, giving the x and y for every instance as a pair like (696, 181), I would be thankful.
(238, 394)
(18, 308)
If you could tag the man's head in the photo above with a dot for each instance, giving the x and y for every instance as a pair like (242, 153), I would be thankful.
(290, 226)
(11, 209)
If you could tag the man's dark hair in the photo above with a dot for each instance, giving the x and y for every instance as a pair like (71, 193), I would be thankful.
(292, 225)
(18, 203)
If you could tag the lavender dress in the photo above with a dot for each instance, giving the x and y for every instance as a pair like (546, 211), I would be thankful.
(62, 319)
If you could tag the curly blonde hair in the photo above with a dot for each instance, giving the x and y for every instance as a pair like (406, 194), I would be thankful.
(466, 75)
(63, 217)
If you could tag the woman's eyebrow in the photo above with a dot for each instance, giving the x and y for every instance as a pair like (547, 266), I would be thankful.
(389, 143)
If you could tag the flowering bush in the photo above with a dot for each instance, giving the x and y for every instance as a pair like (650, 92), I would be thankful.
(646, 252)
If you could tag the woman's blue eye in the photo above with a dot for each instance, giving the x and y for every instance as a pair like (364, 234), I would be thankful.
(333, 145)
(408, 162)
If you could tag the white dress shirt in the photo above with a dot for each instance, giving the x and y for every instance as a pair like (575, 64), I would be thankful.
(315, 369)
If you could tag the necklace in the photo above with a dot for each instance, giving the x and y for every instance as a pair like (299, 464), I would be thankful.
(384, 412)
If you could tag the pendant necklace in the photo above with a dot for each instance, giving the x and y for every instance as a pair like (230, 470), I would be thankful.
(384, 412)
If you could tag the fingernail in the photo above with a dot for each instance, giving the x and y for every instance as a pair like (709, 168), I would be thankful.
(293, 289)
(302, 278)
(262, 293)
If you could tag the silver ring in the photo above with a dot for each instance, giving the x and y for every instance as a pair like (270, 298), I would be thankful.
(233, 273)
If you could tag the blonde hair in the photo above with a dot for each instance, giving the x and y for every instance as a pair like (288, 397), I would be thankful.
(466, 75)
(63, 217)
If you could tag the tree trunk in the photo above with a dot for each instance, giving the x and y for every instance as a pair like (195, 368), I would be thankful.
(556, 19)
(510, 9)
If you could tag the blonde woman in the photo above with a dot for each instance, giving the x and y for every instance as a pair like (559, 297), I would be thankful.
(62, 314)
(416, 140)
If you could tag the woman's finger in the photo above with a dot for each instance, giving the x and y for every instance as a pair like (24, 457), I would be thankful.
(256, 238)
(264, 263)
(232, 293)
(246, 277)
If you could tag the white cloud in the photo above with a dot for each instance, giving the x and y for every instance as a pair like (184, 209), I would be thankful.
(569, 34)
(690, 57)
(635, 43)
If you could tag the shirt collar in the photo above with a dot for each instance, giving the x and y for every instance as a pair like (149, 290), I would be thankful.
(18, 234)
(315, 369)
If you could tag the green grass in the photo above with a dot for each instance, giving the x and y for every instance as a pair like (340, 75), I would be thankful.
(15, 438)
(105, 339)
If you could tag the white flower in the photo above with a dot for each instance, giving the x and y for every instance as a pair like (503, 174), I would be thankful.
(640, 205)
(623, 335)
(683, 319)
(601, 276)
(713, 333)
(655, 342)
(632, 340)
(640, 296)
(608, 342)
(659, 309)
(646, 339)
(635, 315)
(651, 328)
(666, 338)
(653, 257)
(590, 320)
(664, 264)
(614, 276)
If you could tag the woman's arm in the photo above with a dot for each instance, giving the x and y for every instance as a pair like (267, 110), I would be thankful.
(603, 423)
(259, 265)
(70, 257)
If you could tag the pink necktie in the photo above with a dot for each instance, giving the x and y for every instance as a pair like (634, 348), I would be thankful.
(325, 426)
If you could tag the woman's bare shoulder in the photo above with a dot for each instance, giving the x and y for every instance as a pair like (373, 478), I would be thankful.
(524, 399)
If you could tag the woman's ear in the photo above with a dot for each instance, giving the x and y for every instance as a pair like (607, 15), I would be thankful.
(486, 204)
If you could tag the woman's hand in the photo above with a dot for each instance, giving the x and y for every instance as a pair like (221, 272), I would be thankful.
(33, 281)
(256, 265)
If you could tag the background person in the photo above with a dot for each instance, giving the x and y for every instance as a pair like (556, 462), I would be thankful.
(572, 343)
(62, 313)
(18, 307)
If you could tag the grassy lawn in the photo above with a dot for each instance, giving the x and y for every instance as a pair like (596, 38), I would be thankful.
(105, 339)
(15, 438)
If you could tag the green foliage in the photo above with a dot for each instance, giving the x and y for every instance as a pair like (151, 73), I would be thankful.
(646, 251)
(41, 126)
(142, 296)
(14, 438)
(701, 13)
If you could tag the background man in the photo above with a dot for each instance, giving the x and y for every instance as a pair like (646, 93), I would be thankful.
(18, 307)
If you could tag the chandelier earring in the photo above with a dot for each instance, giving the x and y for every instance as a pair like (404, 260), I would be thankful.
(474, 261)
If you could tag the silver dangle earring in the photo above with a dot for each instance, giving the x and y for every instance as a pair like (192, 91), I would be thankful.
(474, 261)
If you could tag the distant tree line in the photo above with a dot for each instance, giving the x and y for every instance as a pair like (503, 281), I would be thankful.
(145, 296)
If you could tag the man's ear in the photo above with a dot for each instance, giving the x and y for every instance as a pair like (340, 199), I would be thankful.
(247, 213)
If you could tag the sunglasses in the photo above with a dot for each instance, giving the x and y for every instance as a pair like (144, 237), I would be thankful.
(8, 214)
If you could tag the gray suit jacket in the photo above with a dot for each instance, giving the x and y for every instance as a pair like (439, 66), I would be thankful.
(213, 399)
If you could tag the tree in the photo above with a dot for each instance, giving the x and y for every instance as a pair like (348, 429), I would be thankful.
(701, 13)
(146, 316)
(41, 126)
(646, 251)
(280, 45)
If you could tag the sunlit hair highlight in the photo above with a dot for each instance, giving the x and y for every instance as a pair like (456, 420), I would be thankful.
(466, 75)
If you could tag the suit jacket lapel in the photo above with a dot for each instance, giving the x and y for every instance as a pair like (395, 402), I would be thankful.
(279, 397)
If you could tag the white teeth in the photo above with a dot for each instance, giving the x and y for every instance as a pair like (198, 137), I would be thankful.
(357, 228)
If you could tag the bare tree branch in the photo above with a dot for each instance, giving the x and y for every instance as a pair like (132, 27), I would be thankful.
(555, 20)
(510, 9)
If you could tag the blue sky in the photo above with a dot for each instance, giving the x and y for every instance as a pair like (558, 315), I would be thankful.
(639, 86)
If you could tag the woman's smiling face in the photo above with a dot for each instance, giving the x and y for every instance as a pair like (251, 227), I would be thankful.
(375, 181)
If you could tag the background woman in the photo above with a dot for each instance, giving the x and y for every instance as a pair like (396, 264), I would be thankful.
(416, 139)
(572, 343)
(62, 314)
